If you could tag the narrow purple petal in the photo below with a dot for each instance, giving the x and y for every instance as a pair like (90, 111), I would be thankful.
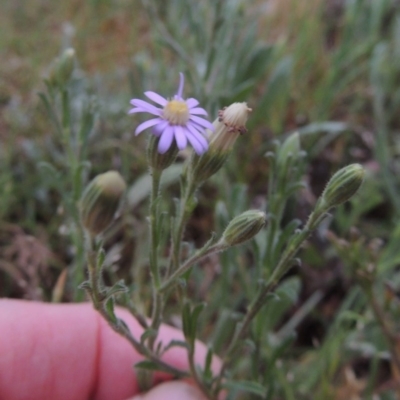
(147, 124)
(156, 98)
(202, 122)
(181, 140)
(147, 107)
(181, 84)
(191, 102)
(203, 131)
(203, 141)
(193, 139)
(198, 111)
(166, 139)
(196, 129)
(159, 128)
(136, 110)
(196, 125)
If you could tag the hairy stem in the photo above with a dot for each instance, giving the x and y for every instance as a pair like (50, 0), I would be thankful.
(195, 375)
(184, 212)
(156, 316)
(173, 279)
(99, 302)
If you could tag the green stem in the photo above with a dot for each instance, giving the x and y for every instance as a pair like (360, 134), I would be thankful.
(153, 256)
(184, 212)
(72, 156)
(78, 268)
(156, 316)
(99, 300)
(195, 376)
(276, 208)
(173, 279)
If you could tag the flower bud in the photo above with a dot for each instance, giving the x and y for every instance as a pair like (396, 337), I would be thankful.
(227, 128)
(244, 227)
(342, 186)
(157, 160)
(100, 201)
(63, 68)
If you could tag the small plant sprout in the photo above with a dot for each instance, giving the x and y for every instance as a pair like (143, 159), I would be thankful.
(178, 118)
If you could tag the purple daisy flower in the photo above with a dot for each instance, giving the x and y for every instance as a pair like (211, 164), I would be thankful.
(178, 118)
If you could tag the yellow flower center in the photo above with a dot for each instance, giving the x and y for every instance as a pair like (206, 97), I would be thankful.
(176, 112)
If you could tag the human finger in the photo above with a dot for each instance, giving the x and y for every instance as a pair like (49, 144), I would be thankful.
(68, 351)
(177, 390)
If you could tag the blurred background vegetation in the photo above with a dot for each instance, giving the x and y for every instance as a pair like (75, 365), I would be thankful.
(329, 69)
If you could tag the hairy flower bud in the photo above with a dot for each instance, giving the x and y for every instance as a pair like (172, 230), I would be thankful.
(160, 161)
(342, 186)
(244, 227)
(227, 128)
(62, 68)
(100, 201)
(230, 124)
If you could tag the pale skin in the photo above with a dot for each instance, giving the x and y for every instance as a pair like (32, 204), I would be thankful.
(67, 351)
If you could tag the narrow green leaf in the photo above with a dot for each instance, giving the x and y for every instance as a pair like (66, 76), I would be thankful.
(198, 308)
(279, 349)
(66, 110)
(246, 386)
(148, 366)
(290, 289)
(110, 309)
(50, 112)
(258, 63)
(284, 237)
(176, 343)
(207, 365)
(213, 239)
(148, 333)
(186, 320)
(101, 255)
(118, 288)
(85, 286)
(51, 175)
(272, 104)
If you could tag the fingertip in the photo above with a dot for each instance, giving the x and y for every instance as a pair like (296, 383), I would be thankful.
(177, 390)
